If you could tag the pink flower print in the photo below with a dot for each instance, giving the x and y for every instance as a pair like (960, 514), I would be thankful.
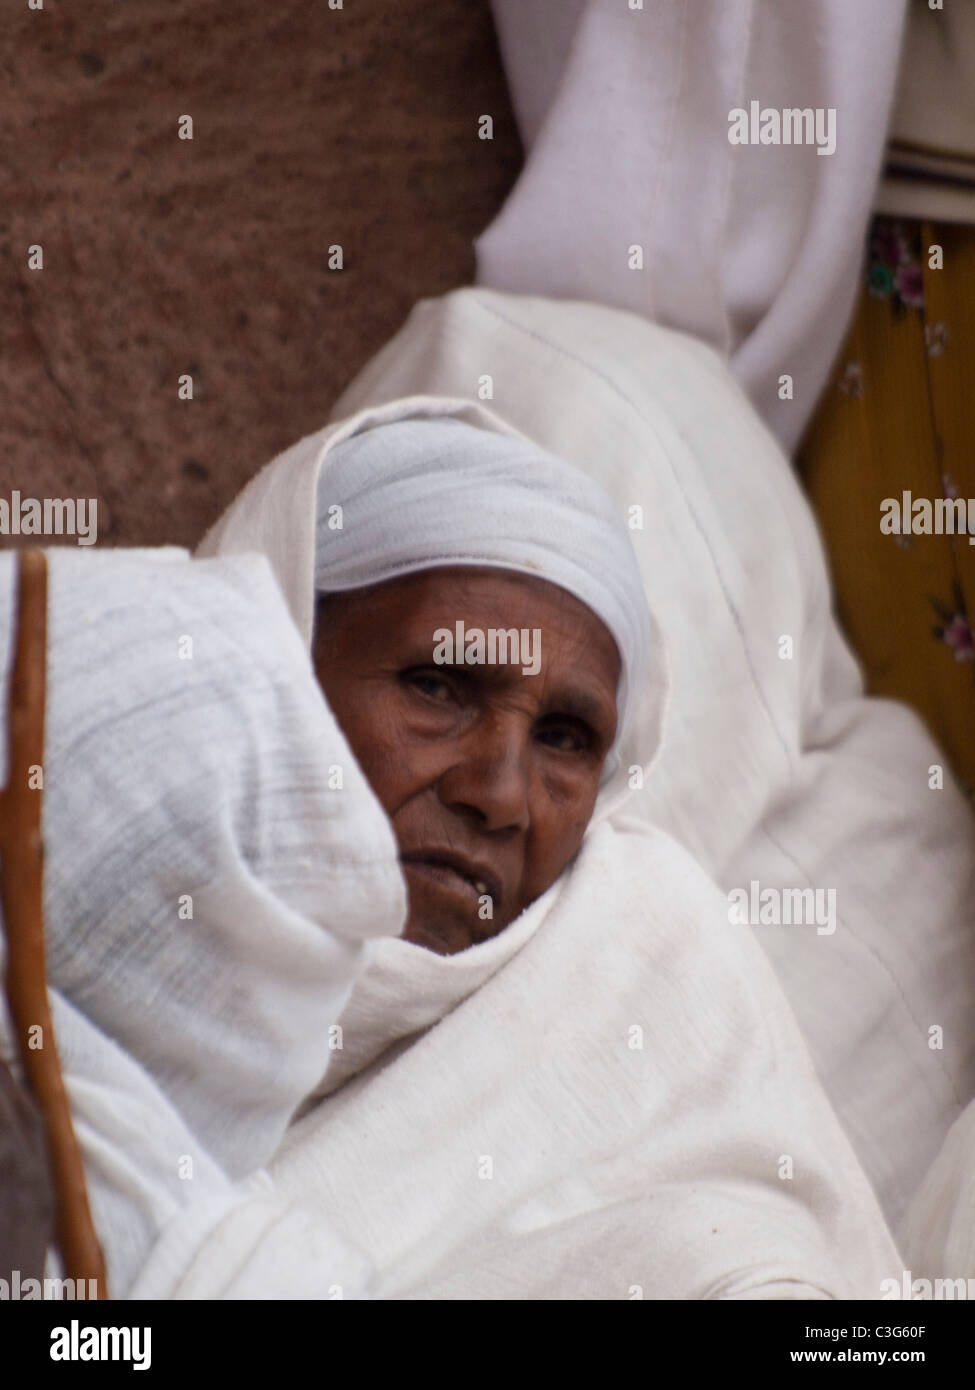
(955, 630)
(958, 635)
(909, 284)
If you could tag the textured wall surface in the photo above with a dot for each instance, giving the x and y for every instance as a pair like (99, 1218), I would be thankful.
(311, 126)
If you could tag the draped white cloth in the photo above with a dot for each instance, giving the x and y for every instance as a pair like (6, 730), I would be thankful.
(208, 893)
(611, 1098)
(773, 768)
(624, 118)
(623, 1107)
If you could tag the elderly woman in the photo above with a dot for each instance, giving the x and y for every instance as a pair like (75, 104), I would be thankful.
(487, 763)
(385, 994)
(565, 1074)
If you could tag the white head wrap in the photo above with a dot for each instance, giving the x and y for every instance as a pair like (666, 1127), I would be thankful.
(423, 493)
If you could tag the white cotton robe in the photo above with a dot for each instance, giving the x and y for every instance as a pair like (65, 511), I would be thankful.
(611, 1098)
(208, 892)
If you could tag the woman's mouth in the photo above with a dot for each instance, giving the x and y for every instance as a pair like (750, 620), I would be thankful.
(456, 874)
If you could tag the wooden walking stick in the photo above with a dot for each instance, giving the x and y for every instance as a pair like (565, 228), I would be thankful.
(23, 912)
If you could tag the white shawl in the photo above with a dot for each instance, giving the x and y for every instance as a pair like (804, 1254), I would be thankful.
(773, 770)
(609, 1099)
(209, 888)
(612, 1096)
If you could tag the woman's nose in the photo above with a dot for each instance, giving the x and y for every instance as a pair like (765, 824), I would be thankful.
(491, 775)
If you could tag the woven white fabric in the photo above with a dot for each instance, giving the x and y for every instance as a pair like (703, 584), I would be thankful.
(773, 767)
(208, 888)
(612, 1093)
(515, 1120)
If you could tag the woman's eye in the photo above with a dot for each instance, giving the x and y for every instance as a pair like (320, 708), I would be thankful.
(565, 738)
(434, 687)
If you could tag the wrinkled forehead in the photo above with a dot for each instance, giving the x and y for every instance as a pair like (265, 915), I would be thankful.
(501, 589)
(488, 612)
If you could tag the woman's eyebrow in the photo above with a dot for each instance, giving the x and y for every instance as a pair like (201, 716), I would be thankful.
(576, 701)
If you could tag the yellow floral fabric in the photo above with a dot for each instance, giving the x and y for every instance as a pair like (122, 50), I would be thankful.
(898, 415)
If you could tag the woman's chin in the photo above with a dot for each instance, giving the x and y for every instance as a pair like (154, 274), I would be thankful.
(441, 935)
(443, 914)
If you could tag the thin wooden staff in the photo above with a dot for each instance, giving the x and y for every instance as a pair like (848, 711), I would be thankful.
(23, 911)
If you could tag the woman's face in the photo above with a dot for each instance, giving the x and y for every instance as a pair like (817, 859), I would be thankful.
(488, 772)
